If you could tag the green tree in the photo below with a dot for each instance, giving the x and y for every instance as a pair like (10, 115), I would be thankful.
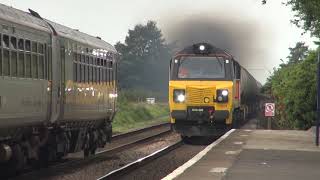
(298, 53)
(144, 59)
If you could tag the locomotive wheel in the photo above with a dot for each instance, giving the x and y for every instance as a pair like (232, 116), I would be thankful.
(185, 139)
(86, 152)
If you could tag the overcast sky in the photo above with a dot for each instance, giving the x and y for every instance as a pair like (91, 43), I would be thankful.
(269, 25)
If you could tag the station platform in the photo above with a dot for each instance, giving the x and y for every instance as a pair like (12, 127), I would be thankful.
(255, 154)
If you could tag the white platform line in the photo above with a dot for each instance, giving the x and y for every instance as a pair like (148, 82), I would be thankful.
(196, 158)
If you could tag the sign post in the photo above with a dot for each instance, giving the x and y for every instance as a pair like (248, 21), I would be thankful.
(269, 112)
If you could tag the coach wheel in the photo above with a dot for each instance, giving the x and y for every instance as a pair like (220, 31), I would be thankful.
(17, 161)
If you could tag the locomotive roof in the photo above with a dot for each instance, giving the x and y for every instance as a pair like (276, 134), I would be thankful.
(20, 17)
(212, 50)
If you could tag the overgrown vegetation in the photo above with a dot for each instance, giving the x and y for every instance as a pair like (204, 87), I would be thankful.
(137, 114)
(293, 87)
(294, 84)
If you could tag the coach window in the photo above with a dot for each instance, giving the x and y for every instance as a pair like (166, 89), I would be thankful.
(78, 72)
(82, 58)
(34, 66)
(28, 45)
(90, 74)
(14, 42)
(91, 60)
(102, 76)
(87, 60)
(78, 57)
(74, 72)
(41, 60)
(111, 74)
(34, 46)
(82, 73)
(14, 59)
(85, 73)
(6, 41)
(21, 64)
(40, 49)
(94, 75)
(107, 74)
(21, 44)
(6, 63)
(49, 62)
(41, 67)
(28, 65)
(98, 75)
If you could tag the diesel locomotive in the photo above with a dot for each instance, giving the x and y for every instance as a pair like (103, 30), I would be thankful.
(57, 90)
(209, 91)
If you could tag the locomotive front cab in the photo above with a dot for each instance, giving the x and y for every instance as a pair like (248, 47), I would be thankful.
(201, 91)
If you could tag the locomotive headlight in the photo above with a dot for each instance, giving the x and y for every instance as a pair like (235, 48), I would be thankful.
(202, 48)
(222, 95)
(181, 98)
(179, 95)
(224, 92)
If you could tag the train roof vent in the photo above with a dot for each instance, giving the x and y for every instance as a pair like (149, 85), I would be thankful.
(98, 37)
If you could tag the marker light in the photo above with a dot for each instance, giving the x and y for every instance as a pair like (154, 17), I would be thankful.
(202, 47)
(222, 95)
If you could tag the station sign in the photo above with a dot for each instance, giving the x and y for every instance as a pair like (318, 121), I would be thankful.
(269, 109)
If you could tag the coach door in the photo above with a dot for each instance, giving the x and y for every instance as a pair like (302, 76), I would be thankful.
(57, 83)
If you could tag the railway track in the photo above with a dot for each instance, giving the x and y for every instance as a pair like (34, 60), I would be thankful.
(120, 142)
(118, 173)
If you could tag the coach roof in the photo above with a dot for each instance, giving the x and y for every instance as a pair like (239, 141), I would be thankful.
(20, 17)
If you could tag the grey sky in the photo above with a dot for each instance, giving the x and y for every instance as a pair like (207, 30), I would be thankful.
(111, 19)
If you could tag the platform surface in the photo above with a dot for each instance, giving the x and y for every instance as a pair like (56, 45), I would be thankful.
(261, 155)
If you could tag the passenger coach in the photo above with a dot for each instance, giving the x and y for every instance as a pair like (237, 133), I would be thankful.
(209, 92)
(57, 89)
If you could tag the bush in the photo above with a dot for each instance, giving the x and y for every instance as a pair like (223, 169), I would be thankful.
(293, 87)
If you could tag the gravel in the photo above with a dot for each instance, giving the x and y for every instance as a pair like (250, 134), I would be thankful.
(106, 163)
(164, 165)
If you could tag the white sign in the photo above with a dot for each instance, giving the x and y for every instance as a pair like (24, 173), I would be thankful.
(269, 109)
(151, 100)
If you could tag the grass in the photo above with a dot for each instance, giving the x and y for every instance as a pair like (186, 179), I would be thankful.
(138, 115)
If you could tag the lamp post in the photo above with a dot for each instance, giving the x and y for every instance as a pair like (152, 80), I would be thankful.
(318, 100)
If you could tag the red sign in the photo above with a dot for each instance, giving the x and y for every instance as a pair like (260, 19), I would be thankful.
(269, 109)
